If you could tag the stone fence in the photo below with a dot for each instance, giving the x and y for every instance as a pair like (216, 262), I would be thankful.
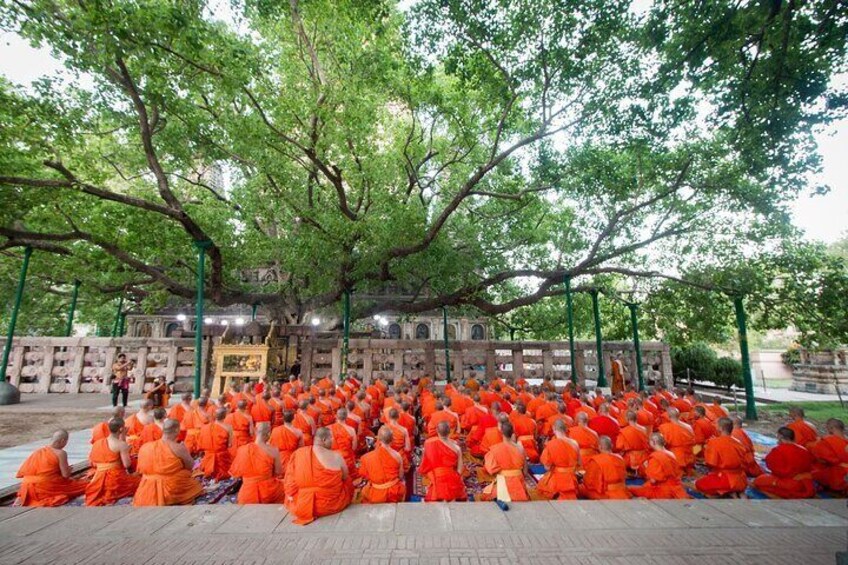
(389, 358)
(83, 364)
(821, 372)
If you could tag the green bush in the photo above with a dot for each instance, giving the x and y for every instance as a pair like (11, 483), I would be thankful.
(727, 372)
(696, 359)
(791, 356)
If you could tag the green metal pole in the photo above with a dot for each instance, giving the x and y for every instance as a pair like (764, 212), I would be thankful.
(253, 313)
(742, 323)
(122, 323)
(569, 310)
(447, 344)
(346, 340)
(13, 320)
(596, 311)
(634, 321)
(69, 326)
(201, 247)
(117, 317)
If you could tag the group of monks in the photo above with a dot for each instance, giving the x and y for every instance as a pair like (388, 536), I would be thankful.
(312, 447)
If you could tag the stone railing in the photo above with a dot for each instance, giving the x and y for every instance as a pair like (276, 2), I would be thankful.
(74, 364)
(821, 372)
(388, 359)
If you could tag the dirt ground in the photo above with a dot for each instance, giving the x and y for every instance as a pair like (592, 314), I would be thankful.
(16, 429)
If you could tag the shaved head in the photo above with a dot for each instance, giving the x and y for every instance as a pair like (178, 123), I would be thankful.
(59, 438)
(725, 425)
(263, 430)
(605, 444)
(241, 404)
(658, 440)
(385, 435)
(324, 438)
(221, 414)
(582, 418)
(159, 414)
(116, 425)
(171, 429)
(118, 412)
(559, 426)
(443, 429)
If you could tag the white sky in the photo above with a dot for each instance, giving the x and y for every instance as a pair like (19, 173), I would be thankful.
(823, 218)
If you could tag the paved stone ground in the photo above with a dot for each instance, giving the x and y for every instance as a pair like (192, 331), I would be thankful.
(585, 532)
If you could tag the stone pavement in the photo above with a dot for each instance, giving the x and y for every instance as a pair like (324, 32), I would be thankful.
(582, 532)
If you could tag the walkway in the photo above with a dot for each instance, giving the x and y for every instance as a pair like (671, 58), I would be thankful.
(620, 532)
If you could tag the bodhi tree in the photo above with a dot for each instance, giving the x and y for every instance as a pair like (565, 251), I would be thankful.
(458, 153)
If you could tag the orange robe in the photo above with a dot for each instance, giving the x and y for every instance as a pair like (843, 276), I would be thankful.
(507, 463)
(302, 423)
(99, 431)
(525, 432)
(164, 481)
(384, 474)
(632, 444)
(752, 468)
(587, 440)
(312, 490)
(791, 466)
(438, 464)
(662, 474)
(262, 411)
(110, 482)
(179, 413)
(560, 458)
(831, 462)
(286, 441)
(704, 431)
(679, 441)
(726, 458)
(805, 432)
(442, 416)
(217, 456)
(604, 479)
(42, 483)
(255, 467)
(343, 444)
(605, 425)
(241, 430)
(151, 432)
(491, 438)
(134, 429)
(192, 423)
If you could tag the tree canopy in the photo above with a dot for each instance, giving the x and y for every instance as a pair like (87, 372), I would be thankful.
(460, 153)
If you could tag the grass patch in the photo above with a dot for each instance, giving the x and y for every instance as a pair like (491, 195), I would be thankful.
(818, 411)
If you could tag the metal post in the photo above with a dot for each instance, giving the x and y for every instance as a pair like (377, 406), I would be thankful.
(117, 316)
(9, 394)
(253, 313)
(201, 247)
(596, 311)
(122, 323)
(447, 350)
(346, 339)
(634, 321)
(69, 326)
(741, 322)
(569, 310)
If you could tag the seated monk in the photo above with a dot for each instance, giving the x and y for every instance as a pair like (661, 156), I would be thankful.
(262, 409)
(46, 476)
(703, 429)
(716, 410)
(110, 458)
(525, 430)
(179, 412)
(153, 431)
(831, 454)
(242, 425)
(101, 429)
(471, 418)
(344, 441)
(401, 441)
(662, 473)
(286, 438)
(442, 465)
(791, 469)
(561, 457)
(317, 482)
(305, 422)
(547, 429)
(165, 466)
(135, 425)
(383, 469)
(680, 439)
(258, 466)
(216, 442)
(197, 417)
(752, 468)
(507, 461)
(805, 432)
(603, 424)
(725, 457)
(585, 437)
(605, 474)
(491, 437)
(633, 443)
(443, 413)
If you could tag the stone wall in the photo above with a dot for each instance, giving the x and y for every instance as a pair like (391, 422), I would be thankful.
(74, 364)
(821, 372)
(389, 359)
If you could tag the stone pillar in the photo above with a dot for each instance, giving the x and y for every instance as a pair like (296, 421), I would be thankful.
(666, 368)
(398, 362)
(141, 369)
(45, 372)
(337, 363)
(430, 359)
(457, 372)
(76, 369)
(491, 362)
(17, 365)
(367, 366)
(106, 370)
(547, 362)
(518, 362)
(306, 361)
(580, 364)
(170, 369)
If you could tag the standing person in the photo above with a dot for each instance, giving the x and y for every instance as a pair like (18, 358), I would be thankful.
(121, 379)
